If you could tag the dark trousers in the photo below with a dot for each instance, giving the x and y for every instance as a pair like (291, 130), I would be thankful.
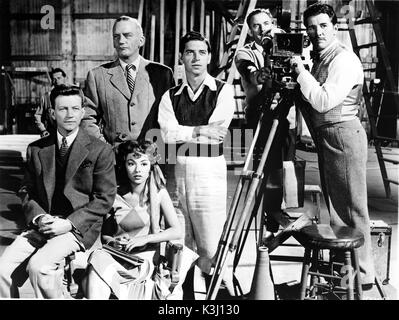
(282, 149)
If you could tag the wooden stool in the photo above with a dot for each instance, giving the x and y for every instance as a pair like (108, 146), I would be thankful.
(344, 240)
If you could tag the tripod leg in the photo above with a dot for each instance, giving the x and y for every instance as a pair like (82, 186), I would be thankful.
(216, 279)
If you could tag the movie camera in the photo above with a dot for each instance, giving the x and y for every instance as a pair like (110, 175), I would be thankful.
(281, 47)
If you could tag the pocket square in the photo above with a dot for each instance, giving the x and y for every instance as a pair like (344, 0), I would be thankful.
(86, 164)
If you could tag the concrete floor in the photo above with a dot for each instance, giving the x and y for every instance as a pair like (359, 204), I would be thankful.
(286, 274)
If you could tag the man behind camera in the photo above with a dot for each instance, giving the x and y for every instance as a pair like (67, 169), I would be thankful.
(253, 64)
(332, 91)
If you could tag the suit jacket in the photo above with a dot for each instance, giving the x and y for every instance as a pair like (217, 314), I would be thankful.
(118, 111)
(90, 183)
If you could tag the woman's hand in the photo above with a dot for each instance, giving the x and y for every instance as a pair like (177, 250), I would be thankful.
(121, 241)
(136, 242)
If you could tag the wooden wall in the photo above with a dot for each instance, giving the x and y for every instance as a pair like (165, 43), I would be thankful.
(81, 38)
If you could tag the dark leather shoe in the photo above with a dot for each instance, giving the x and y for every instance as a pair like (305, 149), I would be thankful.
(367, 286)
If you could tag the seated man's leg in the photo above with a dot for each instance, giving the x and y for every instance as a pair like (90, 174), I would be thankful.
(46, 266)
(13, 262)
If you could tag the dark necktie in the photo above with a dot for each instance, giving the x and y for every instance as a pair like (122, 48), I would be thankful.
(129, 77)
(64, 147)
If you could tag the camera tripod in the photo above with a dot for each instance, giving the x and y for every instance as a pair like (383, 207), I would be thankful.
(230, 242)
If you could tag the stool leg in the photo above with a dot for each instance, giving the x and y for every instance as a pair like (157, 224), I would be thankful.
(305, 271)
(348, 264)
(315, 268)
(357, 275)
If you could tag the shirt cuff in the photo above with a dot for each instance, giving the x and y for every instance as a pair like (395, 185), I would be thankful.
(35, 219)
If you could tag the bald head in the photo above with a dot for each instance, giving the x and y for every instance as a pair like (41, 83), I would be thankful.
(128, 37)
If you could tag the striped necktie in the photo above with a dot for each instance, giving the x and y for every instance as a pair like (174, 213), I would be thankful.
(129, 77)
(64, 147)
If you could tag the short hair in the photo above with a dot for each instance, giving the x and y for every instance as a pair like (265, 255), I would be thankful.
(127, 18)
(66, 90)
(255, 12)
(193, 36)
(56, 70)
(318, 8)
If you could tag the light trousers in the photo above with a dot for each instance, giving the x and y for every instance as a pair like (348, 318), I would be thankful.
(202, 190)
(41, 259)
(342, 160)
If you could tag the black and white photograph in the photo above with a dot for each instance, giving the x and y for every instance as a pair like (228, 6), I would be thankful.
(199, 154)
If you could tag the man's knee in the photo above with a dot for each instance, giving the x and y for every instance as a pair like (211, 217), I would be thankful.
(36, 265)
(6, 269)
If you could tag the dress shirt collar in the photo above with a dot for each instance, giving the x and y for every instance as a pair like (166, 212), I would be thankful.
(136, 64)
(209, 81)
(70, 139)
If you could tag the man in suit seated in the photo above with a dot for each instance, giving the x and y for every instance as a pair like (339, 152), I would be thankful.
(69, 185)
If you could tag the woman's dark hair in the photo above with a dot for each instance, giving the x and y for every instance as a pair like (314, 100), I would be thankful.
(66, 90)
(141, 147)
(318, 8)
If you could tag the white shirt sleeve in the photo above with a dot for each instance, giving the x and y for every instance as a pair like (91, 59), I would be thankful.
(225, 106)
(171, 130)
(344, 72)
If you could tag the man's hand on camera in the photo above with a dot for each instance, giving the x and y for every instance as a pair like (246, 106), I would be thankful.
(213, 131)
(297, 64)
(263, 74)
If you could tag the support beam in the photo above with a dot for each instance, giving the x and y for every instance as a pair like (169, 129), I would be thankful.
(202, 17)
(67, 37)
(152, 38)
(177, 39)
(162, 31)
(141, 9)
(184, 17)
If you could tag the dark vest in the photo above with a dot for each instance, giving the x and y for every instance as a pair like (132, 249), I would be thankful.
(196, 113)
(60, 205)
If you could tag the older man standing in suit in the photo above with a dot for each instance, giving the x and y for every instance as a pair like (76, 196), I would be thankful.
(127, 91)
(69, 186)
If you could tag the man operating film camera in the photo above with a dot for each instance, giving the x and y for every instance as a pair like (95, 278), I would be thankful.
(267, 79)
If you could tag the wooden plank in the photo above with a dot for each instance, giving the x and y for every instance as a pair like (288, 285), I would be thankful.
(192, 15)
(66, 36)
(202, 16)
(161, 31)
(94, 57)
(177, 39)
(141, 9)
(184, 17)
(207, 32)
(152, 38)
(38, 57)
